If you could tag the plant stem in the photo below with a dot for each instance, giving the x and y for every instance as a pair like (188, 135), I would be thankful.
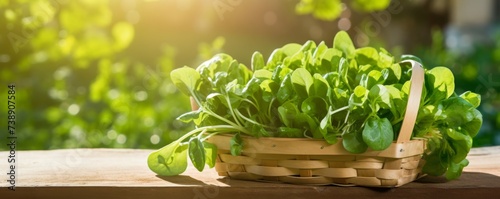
(250, 120)
(338, 110)
(216, 128)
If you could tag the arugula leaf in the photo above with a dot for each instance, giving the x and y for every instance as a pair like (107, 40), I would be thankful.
(436, 163)
(257, 61)
(185, 79)
(289, 132)
(210, 154)
(197, 153)
(343, 42)
(285, 91)
(170, 160)
(472, 98)
(236, 144)
(319, 86)
(367, 56)
(379, 95)
(302, 81)
(377, 133)
(353, 142)
(314, 106)
(442, 82)
(455, 169)
(460, 143)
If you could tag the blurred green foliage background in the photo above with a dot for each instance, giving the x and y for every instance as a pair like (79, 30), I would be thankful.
(96, 73)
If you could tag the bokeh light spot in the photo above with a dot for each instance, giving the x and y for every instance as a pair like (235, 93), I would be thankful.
(121, 139)
(112, 134)
(344, 24)
(73, 109)
(155, 139)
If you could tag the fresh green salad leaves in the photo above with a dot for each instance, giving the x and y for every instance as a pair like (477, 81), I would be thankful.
(313, 91)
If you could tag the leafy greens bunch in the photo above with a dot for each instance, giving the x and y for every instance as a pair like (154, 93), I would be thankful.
(313, 91)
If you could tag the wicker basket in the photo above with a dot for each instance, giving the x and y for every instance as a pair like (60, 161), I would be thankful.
(315, 162)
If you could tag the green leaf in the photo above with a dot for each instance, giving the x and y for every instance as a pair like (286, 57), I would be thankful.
(302, 81)
(372, 78)
(474, 125)
(457, 111)
(330, 137)
(325, 122)
(472, 98)
(460, 143)
(210, 154)
(367, 55)
(435, 163)
(377, 133)
(219, 63)
(170, 160)
(442, 81)
(333, 79)
(257, 130)
(197, 153)
(287, 113)
(185, 79)
(309, 123)
(353, 142)
(394, 74)
(320, 50)
(343, 42)
(189, 116)
(268, 89)
(380, 95)
(325, 126)
(319, 87)
(257, 61)
(398, 104)
(295, 61)
(263, 74)
(455, 169)
(290, 49)
(385, 59)
(308, 46)
(277, 74)
(314, 106)
(251, 87)
(236, 144)
(239, 73)
(290, 132)
(332, 56)
(358, 97)
(285, 91)
(275, 58)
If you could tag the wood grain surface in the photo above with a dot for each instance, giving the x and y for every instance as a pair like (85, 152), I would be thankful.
(123, 173)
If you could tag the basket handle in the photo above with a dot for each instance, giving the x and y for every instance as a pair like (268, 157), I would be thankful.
(417, 83)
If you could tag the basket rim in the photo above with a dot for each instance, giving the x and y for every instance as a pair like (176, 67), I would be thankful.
(311, 147)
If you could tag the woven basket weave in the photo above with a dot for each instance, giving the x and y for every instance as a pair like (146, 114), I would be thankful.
(315, 162)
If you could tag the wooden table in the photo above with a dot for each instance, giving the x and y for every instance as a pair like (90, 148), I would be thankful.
(123, 173)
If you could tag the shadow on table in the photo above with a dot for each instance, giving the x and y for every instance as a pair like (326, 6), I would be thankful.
(182, 179)
(467, 179)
